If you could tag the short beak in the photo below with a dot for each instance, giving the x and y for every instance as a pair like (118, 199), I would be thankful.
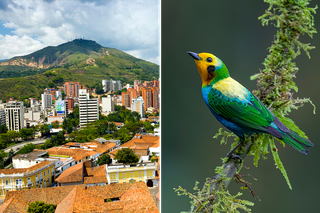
(194, 55)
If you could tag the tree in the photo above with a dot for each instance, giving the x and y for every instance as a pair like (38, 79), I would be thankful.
(58, 139)
(41, 207)
(27, 133)
(104, 159)
(3, 128)
(3, 155)
(12, 135)
(126, 156)
(26, 148)
(44, 130)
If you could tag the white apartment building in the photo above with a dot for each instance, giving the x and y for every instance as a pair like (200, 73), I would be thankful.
(138, 106)
(14, 115)
(58, 95)
(108, 104)
(46, 101)
(2, 117)
(88, 108)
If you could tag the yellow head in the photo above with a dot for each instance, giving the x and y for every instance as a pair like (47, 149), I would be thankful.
(211, 68)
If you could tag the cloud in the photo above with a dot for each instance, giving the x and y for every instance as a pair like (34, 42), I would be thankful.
(131, 26)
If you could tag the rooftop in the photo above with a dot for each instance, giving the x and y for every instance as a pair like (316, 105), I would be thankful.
(76, 154)
(24, 170)
(133, 198)
(30, 156)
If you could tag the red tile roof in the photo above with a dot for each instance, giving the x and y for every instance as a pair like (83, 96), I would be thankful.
(72, 174)
(133, 198)
(31, 168)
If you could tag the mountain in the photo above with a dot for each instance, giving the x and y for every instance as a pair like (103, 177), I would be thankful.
(79, 60)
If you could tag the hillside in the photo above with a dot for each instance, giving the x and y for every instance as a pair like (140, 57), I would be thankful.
(80, 60)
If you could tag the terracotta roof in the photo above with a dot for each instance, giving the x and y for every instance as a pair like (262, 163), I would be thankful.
(72, 174)
(76, 154)
(118, 123)
(133, 198)
(98, 147)
(96, 175)
(24, 170)
(17, 201)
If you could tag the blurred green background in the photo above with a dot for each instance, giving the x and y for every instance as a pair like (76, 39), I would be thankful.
(231, 31)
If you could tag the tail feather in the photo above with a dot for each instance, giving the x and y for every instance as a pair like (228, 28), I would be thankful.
(297, 142)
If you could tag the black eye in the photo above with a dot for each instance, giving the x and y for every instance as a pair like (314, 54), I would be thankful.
(211, 69)
(209, 60)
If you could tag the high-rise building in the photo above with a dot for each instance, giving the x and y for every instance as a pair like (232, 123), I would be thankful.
(51, 91)
(126, 100)
(2, 117)
(108, 104)
(150, 96)
(71, 89)
(58, 95)
(108, 86)
(137, 105)
(62, 107)
(155, 98)
(14, 115)
(70, 103)
(46, 100)
(89, 108)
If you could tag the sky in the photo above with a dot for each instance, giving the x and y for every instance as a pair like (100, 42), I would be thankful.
(132, 26)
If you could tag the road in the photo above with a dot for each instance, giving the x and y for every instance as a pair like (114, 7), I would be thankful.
(36, 141)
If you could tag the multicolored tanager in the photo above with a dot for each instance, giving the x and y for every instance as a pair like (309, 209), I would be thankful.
(236, 108)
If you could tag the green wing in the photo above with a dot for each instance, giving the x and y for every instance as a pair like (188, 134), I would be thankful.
(251, 113)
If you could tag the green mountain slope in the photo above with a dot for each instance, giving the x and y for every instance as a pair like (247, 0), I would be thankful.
(80, 60)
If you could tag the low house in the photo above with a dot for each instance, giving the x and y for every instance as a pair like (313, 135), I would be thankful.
(83, 173)
(120, 198)
(36, 176)
(79, 155)
(126, 173)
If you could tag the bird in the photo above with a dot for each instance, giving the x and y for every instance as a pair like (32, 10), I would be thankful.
(236, 108)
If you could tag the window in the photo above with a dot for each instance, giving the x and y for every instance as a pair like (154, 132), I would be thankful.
(29, 180)
(17, 181)
(124, 176)
(36, 177)
(44, 173)
(48, 171)
(140, 174)
(131, 174)
(7, 182)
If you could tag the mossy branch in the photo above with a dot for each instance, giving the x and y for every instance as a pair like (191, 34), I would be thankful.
(275, 89)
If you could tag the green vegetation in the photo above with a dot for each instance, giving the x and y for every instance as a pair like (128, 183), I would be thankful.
(72, 121)
(126, 156)
(26, 149)
(56, 140)
(104, 159)
(99, 128)
(3, 155)
(41, 207)
(8, 138)
(80, 60)
(275, 90)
